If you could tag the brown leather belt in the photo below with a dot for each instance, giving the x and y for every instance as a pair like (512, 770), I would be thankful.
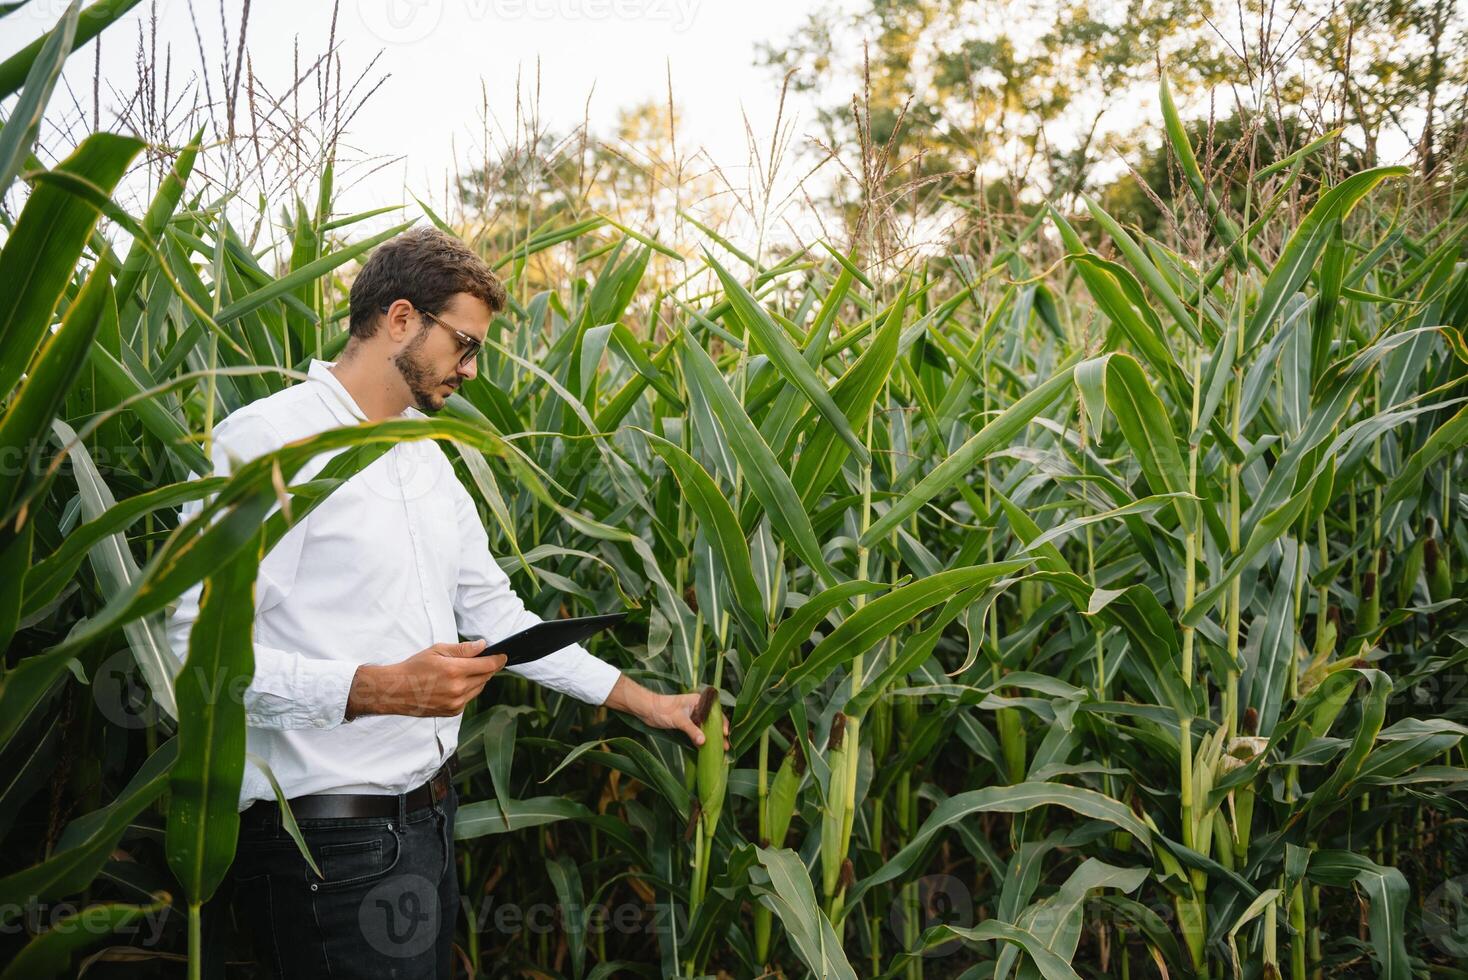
(352, 806)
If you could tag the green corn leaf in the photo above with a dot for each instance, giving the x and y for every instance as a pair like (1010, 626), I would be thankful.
(624, 343)
(565, 878)
(1057, 920)
(824, 453)
(499, 752)
(1051, 966)
(1146, 269)
(776, 344)
(788, 893)
(636, 760)
(1265, 899)
(1119, 295)
(767, 480)
(1215, 379)
(1305, 246)
(307, 273)
(50, 953)
(1447, 438)
(486, 817)
(24, 121)
(45, 245)
(915, 651)
(541, 242)
(1090, 382)
(1279, 501)
(160, 211)
(112, 562)
(998, 432)
(1138, 612)
(1182, 149)
(119, 386)
(203, 809)
(1003, 799)
(881, 617)
(1387, 893)
(757, 706)
(287, 818)
(848, 265)
(1333, 792)
(15, 560)
(27, 421)
(1148, 430)
(1147, 505)
(721, 526)
(88, 841)
(90, 22)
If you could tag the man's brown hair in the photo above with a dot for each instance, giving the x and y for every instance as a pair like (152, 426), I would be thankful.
(426, 267)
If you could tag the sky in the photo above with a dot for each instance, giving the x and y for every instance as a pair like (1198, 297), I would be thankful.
(444, 60)
(436, 52)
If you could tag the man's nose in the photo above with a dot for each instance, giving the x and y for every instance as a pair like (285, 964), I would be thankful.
(471, 370)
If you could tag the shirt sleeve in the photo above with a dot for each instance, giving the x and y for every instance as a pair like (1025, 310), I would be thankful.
(485, 605)
(289, 689)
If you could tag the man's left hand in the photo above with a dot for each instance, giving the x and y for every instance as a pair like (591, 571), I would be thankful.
(659, 710)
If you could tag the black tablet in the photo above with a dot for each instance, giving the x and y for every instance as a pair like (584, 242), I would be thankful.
(547, 637)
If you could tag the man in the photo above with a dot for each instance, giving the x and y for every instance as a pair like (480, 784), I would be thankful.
(360, 677)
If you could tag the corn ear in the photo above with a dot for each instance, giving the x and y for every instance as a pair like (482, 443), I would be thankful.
(713, 761)
(834, 813)
(1439, 574)
(784, 795)
(1411, 568)
(1368, 611)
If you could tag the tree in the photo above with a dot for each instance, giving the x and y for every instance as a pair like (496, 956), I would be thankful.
(984, 91)
(1033, 96)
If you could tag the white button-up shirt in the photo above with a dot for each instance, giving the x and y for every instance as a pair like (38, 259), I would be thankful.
(394, 561)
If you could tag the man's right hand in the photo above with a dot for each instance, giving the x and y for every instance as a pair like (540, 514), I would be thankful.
(437, 682)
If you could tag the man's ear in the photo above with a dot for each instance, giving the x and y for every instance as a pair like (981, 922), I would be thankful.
(398, 322)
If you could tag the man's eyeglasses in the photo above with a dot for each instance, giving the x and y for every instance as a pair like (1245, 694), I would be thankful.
(468, 345)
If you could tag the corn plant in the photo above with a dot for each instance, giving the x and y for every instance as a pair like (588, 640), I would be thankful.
(1107, 576)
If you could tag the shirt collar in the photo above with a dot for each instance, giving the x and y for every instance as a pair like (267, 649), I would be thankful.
(339, 401)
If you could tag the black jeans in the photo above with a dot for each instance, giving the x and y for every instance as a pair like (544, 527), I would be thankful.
(385, 907)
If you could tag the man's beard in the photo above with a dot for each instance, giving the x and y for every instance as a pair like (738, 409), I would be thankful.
(422, 383)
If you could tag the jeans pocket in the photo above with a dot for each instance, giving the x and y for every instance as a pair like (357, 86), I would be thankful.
(357, 860)
(254, 907)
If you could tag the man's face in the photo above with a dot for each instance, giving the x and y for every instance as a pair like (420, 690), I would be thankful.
(429, 362)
